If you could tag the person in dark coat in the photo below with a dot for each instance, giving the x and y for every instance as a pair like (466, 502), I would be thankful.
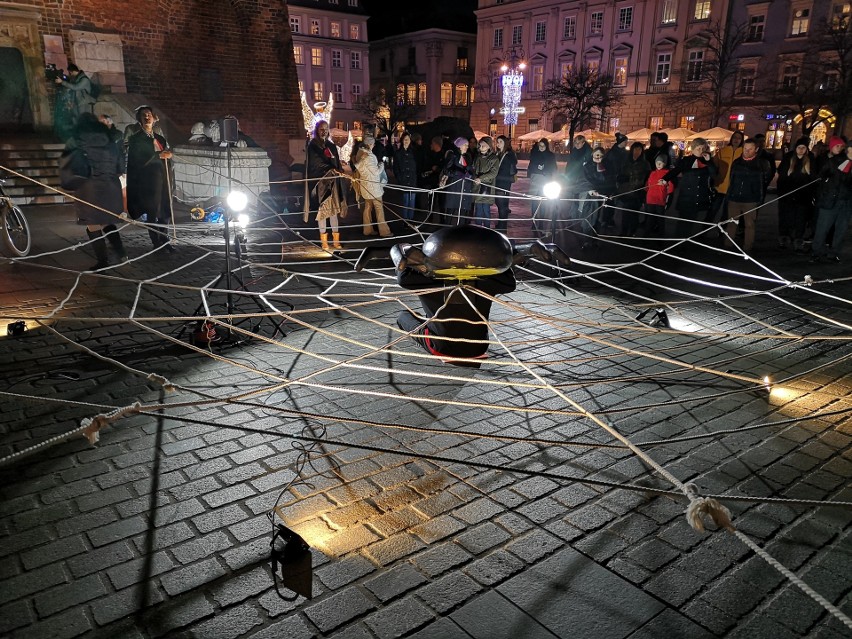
(631, 181)
(576, 186)
(617, 157)
(77, 90)
(324, 186)
(147, 178)
(507, 169)
(430, 175)
(101, 202)
(765, 155)
(696, 172)
(405, 170)
(834, 201)
(456, 183)
(541, 170)
(746, 192)
(797, 178)
(601, 179)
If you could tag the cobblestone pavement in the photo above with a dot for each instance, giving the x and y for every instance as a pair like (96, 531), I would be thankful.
(161, 529)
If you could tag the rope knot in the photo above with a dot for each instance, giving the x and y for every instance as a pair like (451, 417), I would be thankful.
(701, 506)
(162, 381)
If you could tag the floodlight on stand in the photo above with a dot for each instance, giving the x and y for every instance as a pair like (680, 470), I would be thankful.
(552, 190)
(237, 201)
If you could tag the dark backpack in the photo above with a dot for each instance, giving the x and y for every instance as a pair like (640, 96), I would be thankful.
(97, 87)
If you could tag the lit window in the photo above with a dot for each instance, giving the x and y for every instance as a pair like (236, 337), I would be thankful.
(295, 24)
(655, 123)
(315, 27)
(664, 68)
(517, 34)
(669, 15)
(687, 122)
(756, 25)
(790, 77)
(301, 86)
(593, 66)
(461, 59)
(400, 94)
(316, 56)
(565, 69)
(318, 91)
(702, 10)
(336, 59)
(801, 21)
(538, 77)
(540, 31)
(569, 28)
(411, 94)
(335, 29)
(354, 32)
(297, 54)
(533, 125)
(694, 66)
(461, 95)
(840, 14)
(338, 93)
(356, 124)
(498, 37)
(625, 18)
(614, 124)
(421, 93)
(355, 59)
(745, 86)
(620, 75)
(446, 94)
(596, 22)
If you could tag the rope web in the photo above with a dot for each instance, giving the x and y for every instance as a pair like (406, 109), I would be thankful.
(576, 389)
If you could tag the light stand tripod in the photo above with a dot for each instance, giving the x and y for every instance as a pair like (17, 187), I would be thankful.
(235, 203)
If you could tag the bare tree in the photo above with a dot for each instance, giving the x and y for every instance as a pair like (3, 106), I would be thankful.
(483, 95)
(716, 73)
(387, 108)
(836, 35)
(582, 97)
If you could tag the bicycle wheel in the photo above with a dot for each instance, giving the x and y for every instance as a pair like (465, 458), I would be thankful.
(16, 231)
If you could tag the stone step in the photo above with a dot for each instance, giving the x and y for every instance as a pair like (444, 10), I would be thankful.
(41, 199)
(31, 146)
(18, 156)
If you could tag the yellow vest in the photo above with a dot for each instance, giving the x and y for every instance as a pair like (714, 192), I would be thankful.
(724, 159)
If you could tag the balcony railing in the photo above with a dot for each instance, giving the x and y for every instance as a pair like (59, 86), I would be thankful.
(658, 88)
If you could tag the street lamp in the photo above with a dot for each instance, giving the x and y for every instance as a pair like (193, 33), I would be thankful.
(512, 82)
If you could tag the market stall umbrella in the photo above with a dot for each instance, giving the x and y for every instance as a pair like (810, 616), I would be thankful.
(560, 136)
(716, 134)
(534, 136)
(679, 135)
(640, 135)
(338, 133)
(596, 136)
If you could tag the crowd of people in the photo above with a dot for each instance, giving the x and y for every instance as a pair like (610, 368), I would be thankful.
(714, 196)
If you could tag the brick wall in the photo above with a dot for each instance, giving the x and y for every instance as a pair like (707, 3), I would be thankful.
(170, 44)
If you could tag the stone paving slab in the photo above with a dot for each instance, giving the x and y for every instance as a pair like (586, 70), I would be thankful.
(161, 529)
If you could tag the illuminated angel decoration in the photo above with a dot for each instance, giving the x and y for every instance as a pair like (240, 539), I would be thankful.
(323, 112)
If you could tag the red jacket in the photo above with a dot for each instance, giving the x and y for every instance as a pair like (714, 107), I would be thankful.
(657, 194)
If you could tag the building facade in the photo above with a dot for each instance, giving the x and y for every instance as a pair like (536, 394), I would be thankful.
(187, 57)
(430, 72)
(788, 68)
(332, 55)
(654, 50)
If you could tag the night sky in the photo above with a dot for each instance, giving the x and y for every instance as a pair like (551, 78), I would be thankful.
(388, 18)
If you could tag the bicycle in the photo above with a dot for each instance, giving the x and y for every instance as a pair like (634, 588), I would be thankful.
(15, 229)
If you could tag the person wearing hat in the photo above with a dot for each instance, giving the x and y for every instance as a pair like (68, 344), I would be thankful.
(485, 167)
(834, 201)
(750, 177)
(796, 192)
(148, 191)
